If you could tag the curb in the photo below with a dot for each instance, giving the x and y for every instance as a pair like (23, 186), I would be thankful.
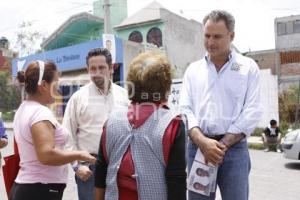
(8, 125)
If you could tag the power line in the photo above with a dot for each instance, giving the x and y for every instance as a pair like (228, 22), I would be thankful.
(38, 20)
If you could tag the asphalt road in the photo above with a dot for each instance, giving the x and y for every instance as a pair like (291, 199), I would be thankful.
(272, 177)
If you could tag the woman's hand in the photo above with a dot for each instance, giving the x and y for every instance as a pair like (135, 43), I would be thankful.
(3, 142)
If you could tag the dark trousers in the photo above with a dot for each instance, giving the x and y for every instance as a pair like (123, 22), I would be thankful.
(37, 191)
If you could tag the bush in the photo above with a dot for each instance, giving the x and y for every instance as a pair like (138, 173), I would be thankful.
(10, 97)
(257, 131)
(284, 126)
(255, 146)
(287, 109)
(8, 116)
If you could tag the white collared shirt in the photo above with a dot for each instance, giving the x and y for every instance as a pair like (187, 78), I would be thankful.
(222, 102)
(87, 111)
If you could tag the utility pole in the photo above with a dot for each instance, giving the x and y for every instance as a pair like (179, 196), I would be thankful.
(106, 10)
(297, 106)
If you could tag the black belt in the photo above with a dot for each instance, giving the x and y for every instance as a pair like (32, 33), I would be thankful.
(215, 137)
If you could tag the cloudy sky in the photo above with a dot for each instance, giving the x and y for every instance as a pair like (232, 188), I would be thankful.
(254, 18)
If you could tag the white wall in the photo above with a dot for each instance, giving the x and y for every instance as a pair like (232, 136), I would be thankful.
(269, 97)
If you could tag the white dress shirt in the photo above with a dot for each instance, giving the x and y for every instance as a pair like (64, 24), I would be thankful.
(222, 102)
(87, 111)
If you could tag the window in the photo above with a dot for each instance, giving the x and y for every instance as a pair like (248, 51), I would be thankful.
(281, 28)
(289, 28)
(297, 26)
(136, 36)
(154, 36)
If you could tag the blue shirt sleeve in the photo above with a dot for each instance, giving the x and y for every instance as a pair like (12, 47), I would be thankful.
(2, 130)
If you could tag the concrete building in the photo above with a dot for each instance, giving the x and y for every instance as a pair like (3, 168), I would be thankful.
(287, 46)
(265, 59)
(180, 38)
(283, 63)
(152, 27)
(284, 60)
(287, 32)
(6, 55)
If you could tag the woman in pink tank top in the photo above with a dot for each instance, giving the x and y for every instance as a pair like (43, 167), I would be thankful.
(41, 139)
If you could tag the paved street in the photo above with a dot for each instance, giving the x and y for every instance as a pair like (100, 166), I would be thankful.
(272, 177)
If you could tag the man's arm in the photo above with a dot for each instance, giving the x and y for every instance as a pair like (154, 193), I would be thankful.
(230, 139)
(3, 142)
(101, 169)
(3, 136)
(70, 123)
(251, 112)
(212, 150)
(176, 165)
(2, 130)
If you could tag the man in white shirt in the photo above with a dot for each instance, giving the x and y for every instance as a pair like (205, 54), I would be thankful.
(220, 97)
(86, 113)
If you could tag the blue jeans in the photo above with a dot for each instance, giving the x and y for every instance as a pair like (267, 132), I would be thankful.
(233, 173)
(86, 188)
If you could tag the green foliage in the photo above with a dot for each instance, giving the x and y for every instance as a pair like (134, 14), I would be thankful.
(8, 116)
(287, 109)
(283, 126)
(9, 95)
(288, 104)
(257, 131)
(257, 146)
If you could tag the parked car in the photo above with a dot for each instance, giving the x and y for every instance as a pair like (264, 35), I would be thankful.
(291, 145)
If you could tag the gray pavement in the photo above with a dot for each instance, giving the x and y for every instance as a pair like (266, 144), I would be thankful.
(273, 177)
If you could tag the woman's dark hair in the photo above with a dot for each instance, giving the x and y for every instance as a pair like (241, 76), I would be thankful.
(21, 76)
(31, 75)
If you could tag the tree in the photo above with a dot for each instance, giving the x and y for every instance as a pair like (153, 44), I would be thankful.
(28, 39)
(10, 97)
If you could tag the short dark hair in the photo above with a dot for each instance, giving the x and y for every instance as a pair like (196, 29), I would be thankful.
(99, 52)
(21, 76)
(31, 75)
(217, 15)
(273, 122)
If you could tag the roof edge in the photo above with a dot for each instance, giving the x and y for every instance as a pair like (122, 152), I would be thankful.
(71, 19)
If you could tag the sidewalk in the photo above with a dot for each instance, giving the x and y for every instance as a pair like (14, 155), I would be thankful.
(255, 140)
(8, 125)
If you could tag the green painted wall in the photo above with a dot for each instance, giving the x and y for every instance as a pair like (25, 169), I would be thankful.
(118, 11)
(85, 30)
